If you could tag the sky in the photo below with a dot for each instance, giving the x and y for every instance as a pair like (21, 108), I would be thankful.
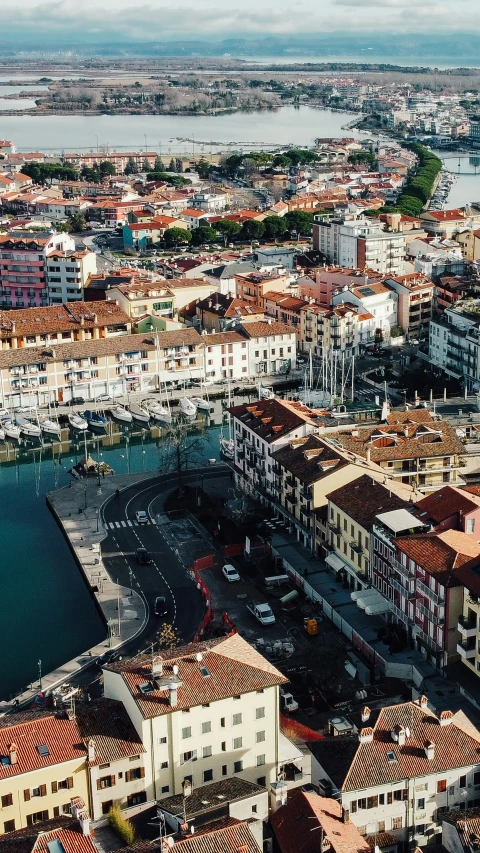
(204, 19)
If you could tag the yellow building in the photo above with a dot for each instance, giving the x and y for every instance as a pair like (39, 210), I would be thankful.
(42, 767)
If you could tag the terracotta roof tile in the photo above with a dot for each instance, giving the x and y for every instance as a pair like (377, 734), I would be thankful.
(295, 825)
(440, 554)
(309, 459)
(271, 419)
(60, 318)
(264, 329)
(364, 499)
(236, 838)
(234, 668)
(58, 734)
(108, 724)
(445, 503)
(398, 441)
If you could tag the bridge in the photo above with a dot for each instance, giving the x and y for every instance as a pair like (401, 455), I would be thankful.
(473, 160)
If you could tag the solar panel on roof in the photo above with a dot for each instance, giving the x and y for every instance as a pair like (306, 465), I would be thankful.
(367, 291)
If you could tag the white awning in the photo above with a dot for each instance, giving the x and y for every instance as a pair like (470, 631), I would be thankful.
(371, 601)
(379, 607)
(335, 562)
(363, 594)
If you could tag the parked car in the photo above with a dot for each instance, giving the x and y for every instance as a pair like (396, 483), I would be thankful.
(143, 557)
(161, 608)
(230, 573)
(76, 401)
(141, 516)
(103, 398)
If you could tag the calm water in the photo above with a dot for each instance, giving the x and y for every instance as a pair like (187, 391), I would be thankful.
(47, 612)
(466, 188)
(20, 104)
(299, 126)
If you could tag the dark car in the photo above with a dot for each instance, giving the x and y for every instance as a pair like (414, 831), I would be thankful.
(143, 557)
(161, 608)
(75, 401)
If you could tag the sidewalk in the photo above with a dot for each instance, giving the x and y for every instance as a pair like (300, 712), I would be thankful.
(77, 507)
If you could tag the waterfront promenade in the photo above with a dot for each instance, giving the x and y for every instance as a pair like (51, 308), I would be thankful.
(77, 508)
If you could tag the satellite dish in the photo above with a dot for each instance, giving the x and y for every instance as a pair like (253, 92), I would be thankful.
(199, 657)
(175, 669)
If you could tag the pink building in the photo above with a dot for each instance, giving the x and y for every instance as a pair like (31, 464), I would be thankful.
(322, 283)
(23, 278)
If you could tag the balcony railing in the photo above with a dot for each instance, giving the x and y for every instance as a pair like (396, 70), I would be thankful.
(425, 590)
(466, 650)
(401, 588)
(425, 611)
(404, 570)
(467, 627)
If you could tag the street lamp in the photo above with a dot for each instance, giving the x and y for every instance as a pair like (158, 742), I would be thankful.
(85, 497)
(40, 675)
(131, 581)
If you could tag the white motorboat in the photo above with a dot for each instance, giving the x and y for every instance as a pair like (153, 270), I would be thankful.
(11, 430)
(4, 413)
(139, 413)
(2, 434)
(201, 403)
(27, 428)
(157, 412)
(50, 426)
(266, 393)
(227, 448)
(121, 414)
(187, 407)
(77, 422)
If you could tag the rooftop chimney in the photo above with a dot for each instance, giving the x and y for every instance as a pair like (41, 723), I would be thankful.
(429, 750)
(12, 753)
(157, 666)
(445, 718)
(366, 714)
(401, 735)
(366, 735)
(173, 694)
(91, 749)
(423, 702)
(369, 454)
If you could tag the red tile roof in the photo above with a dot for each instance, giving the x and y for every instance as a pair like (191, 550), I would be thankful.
(58, 734)
(445, 215)
(445, 503)
(440, 554)
(236, 838)
(72, 841)
(355, 766)
(364, 498)
(263, 329)
(272, 419)
(298, 824)
(234, 667)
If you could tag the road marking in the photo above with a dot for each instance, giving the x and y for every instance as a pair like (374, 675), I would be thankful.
(123, 523)
(129, 523)
(117, 524)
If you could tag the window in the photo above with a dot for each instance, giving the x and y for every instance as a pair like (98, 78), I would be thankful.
(397, 823)
(9, 826)
(260, 760)
(186, 733)
(206, 727)
(135, 773)
(105, 782)
(164, 765)
(162, 739)
(260, 737)
(191, 755)
(237, 766)
(381, 799)
(389, 798)
(224, 769)
(420, 829)
(206, 752)
(259, 713)
(165, 789)
(353, 806)
(106, 806)
(136, 799)
(236, 719)
(476, 778)
(37, 817)
(237, 742)
(254, 809)
(222, 722)
(362, 803)
(442, 785)
(470, 525)
(372, 802)
(7, 800)
(381, 826)
(224, 745)
(421, 803)
(208, 775)
(462, 781)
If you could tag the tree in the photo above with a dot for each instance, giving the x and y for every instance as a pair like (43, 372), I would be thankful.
(203, 168)
(171, 166)
(181, 450)
(44, 173)
(232, 164)
(203, 234)
(77, 223)
(159, 165)
(107, 168)
(91, 174)
(131, 167)
(252, 230)
(178, 164)
(299, 221)
(121, 825)
(167, 637)
(281, 161)
(228, 229)
(176, 236)
(145, 165)
(378, 337)
(275, 226)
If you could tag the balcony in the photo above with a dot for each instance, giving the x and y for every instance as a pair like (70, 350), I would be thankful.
(404, 570)
(426, 591)
(466, 650)
(425, 611)
(401, 588)
(291, 498)
(290, 482)
(467, 627)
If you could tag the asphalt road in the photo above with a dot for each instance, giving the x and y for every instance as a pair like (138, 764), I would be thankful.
(167, 575)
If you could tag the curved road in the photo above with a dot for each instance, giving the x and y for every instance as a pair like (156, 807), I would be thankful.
(167, 575)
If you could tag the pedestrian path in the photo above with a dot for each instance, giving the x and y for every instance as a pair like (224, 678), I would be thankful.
(114, 525)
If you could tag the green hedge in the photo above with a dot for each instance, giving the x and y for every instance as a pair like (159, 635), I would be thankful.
(121, 826)
(419, 188)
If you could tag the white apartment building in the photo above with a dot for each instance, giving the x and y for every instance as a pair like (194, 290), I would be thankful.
(376, 299)
(226, 355)
(359, 243)
(260, 429)
(405, 768)
(210, 202)
(204, 712)
(454, 342)
(272, 347)
(67, 273)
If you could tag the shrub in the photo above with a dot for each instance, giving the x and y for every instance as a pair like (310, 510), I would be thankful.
(123, 828)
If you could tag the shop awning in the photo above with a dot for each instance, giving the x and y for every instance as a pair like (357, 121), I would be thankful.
(335, 562)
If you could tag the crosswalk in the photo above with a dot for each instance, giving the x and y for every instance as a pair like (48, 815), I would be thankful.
(114, 525)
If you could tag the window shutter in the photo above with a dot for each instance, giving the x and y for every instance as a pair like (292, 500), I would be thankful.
(142, 772)
(56, 811)
(112, 778)
(43, 790)
(99, 785)
(70, 782)
(54, 787)
(26, 794)
(128, 776)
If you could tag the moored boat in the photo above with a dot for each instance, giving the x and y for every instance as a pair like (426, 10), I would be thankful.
(77, 422)
(139, 413)
(95, 420)
(120, 413)
(187, 407)
(27, 428)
